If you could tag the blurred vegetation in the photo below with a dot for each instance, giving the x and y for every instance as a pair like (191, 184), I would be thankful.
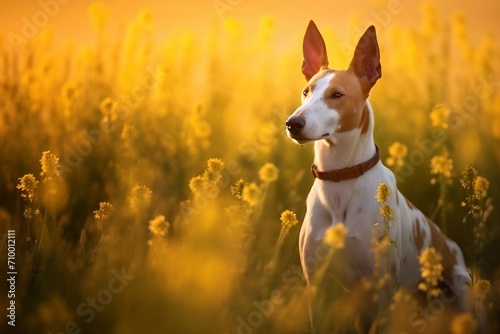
(133, 184)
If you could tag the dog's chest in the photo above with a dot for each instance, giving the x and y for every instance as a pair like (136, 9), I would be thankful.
(337, 198)
(351, 203)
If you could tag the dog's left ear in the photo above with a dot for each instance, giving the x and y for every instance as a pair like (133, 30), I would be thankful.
(366, 60)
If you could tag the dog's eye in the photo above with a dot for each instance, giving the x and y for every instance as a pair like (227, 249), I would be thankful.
(305, 92)
(337, 95)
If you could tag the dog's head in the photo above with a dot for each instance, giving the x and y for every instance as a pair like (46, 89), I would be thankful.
(334, 101)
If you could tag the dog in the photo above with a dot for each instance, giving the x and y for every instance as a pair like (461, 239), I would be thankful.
(336, 115)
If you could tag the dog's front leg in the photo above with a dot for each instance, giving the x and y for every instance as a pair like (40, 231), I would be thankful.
(322, 289)
(313, 254)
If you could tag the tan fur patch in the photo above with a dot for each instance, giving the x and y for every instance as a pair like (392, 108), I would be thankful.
(418, 235)
(351, 107)
(410, 204)
(438, 241)
(365, 120)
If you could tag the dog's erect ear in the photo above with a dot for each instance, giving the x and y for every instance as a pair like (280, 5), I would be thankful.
(366, 60)
(314, 51)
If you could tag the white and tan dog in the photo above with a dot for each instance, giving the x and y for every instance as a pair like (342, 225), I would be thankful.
(337, 116)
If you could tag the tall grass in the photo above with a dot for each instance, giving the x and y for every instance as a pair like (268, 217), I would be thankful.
(145, 163)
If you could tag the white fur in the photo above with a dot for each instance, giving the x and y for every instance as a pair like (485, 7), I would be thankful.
(320, 120)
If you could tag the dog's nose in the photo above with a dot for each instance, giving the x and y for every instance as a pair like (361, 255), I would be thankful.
(295, 125)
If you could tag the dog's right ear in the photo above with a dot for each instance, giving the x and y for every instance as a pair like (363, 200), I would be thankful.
(314, 51)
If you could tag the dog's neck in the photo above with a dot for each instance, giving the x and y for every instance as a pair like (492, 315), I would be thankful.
(345, 149)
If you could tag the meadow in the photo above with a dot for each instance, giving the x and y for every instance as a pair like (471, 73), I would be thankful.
(152, 188)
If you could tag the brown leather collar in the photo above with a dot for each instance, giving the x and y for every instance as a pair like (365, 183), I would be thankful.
(347, 173)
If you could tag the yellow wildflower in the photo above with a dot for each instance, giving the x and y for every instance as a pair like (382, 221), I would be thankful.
(202, 129)
(27, 185)
(159, 226)
(402, 298)
(397, 152)
(215, 165)
(233, 27)
(335, 236)
(431, 271)
(107, 106)
(99, 15)
(441, 164)
(460, 36)
(266, 28)
(383, 193)
(469, 176)
(108, 109)
(472, 199)
(439, 116)
(140, 197)
(463, 323)
(50, 166)
(381, 244)
(268, 173)
(214, 168)
(481, 288)
(251, 194)
(105, 210)
(197, 184)
(481, 186)
(288, 218)
(129, 134)
(29, 213)
(237, 189)
(386, 211)
(68, 93)
(430, 21)
(54, 310)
